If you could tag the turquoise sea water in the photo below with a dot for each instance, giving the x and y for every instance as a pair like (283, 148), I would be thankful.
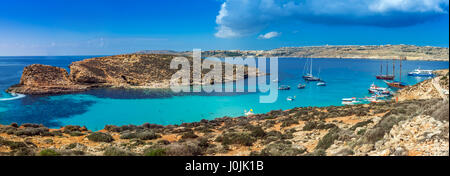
(97, 108)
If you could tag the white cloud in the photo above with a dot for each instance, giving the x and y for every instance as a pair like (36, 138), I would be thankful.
(238, 18)
(269, 35)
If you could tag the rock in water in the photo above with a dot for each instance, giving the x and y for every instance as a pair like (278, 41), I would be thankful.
(40, 79)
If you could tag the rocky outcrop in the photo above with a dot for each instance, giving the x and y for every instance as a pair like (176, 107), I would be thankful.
(128, 71)
(419, 136)
(425, 89)
(44, 79)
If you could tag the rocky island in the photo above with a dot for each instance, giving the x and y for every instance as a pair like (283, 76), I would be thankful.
(416, 125)
(127, 71)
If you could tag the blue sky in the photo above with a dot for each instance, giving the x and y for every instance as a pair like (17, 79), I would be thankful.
(106, 27)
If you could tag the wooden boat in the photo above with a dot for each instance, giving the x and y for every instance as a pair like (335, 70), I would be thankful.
(386, 76)
(398, 84)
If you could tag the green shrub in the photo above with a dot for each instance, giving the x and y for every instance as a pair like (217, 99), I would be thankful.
(76, 133)
(184, 149)
(236, 138)
(128, 135)
(100, 137)
(147, 135)
(256, 131)
(281, 149)
(288, 122)
(71, 146)
(189, 135)
(309, 126)
(203, 142)
(317, 125)
(361, 132)
(113, 151)
(155, 152)
(385, 125)
(318, 152)
(328, 139)
(360, 124)
(49, 152)
(13, 145)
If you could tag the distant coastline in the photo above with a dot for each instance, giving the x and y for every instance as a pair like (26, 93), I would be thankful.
(411, 52)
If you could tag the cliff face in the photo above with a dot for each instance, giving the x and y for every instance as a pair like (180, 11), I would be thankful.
(123, 70)
(129, 71)
(44, 79)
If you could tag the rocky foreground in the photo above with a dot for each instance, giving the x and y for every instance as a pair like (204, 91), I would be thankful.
(410, 127)
(127, 71)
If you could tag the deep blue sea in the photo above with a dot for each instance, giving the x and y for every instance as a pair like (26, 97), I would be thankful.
(97, 108)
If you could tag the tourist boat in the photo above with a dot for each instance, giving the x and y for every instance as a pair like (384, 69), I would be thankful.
(386, 76)
(309, 76)
(350, 101)
(249, 113)
(373, 99)
(382, 90)
(321, 83)
(284, 87)
(301, 86)
(422, 73)
(290, 98)
(398, 84)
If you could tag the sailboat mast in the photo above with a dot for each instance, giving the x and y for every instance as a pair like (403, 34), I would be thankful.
(387, 68)
(310, 69)
(400, 69)
(381, 69)
(393, 67)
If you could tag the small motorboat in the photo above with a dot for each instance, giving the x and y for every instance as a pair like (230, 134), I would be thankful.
(284, 87)
(321, 83)
(350, 101)
(249, 113)
(301, 86)
(421, 73)
(290, 98)
(372, 99)
(312, 78)
(276, 81)
(374, 89)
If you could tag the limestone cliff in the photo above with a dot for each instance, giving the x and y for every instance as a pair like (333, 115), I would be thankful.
(44, 79)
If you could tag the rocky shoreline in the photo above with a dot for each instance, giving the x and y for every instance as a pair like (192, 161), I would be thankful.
(125, 71)
(409, 127)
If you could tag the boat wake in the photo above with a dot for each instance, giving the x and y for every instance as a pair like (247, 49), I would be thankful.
(15, 97)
